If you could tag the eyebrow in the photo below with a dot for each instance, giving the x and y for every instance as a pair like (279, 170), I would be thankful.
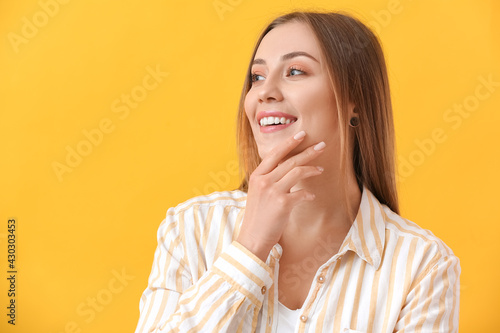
(287, 56)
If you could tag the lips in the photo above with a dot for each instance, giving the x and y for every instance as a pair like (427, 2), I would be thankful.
(271, 121)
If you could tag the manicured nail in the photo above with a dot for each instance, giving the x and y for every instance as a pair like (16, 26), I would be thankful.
(299, 135)
(320, 146)
(320, 168)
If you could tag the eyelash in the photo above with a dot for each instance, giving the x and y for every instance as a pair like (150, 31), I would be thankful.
(253, 75)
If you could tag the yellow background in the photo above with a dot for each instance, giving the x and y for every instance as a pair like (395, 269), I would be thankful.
(76, 232)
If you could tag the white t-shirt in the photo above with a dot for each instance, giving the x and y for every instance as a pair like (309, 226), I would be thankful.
(287, 319)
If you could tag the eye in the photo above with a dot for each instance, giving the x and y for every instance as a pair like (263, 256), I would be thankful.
(256, 77)
(293, 71)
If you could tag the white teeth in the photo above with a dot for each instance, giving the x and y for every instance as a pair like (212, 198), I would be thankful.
(275, 121)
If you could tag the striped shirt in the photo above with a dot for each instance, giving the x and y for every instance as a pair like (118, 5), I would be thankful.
(389, 275)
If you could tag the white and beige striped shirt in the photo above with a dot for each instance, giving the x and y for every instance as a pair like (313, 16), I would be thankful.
(390, 275)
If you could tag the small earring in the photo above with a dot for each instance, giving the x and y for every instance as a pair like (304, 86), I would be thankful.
(354, 122)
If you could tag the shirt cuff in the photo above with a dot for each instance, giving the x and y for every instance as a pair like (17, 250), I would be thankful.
(245, 271)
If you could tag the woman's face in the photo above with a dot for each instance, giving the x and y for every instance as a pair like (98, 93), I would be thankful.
(290, 82)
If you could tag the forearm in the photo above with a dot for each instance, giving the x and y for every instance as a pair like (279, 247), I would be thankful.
(229, 295)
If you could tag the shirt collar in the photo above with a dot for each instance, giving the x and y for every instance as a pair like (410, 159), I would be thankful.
(367, 234)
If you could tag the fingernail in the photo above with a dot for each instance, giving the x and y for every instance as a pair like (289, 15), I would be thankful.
(299, 135)
(320, 146)
(320, 168)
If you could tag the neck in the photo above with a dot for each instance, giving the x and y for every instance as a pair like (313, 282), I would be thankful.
(327, 213)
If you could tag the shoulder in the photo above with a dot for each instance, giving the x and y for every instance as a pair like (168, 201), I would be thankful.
(194, 212)
(224, 198)
(422, 243)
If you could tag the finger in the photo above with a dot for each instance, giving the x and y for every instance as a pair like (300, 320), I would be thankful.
(297, 174)
(300, 159)
(300, 195)
(278, 153)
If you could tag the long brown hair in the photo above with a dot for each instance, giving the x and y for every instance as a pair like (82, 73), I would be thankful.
(358, 74)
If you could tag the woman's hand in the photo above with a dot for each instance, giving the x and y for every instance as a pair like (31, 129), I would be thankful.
(269, 200)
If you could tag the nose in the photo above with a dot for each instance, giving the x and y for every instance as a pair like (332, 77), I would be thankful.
(270, 90)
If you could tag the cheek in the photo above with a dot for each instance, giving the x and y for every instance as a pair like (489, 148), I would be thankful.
(322, 98)
(319, 113)
(248, 104)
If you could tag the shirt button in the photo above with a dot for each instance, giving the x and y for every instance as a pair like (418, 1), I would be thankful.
(263, 290)
(303, 318)
(321, 279)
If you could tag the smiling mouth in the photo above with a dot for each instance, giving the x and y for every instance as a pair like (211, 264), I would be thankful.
(272, 121)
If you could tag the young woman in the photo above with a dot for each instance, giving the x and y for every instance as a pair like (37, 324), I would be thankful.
(312, 241)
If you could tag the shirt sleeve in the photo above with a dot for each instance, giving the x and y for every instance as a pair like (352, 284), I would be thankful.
(226, 298)
(433, 303)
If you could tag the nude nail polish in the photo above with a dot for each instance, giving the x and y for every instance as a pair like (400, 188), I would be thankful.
(320, 145)
(299, 135)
